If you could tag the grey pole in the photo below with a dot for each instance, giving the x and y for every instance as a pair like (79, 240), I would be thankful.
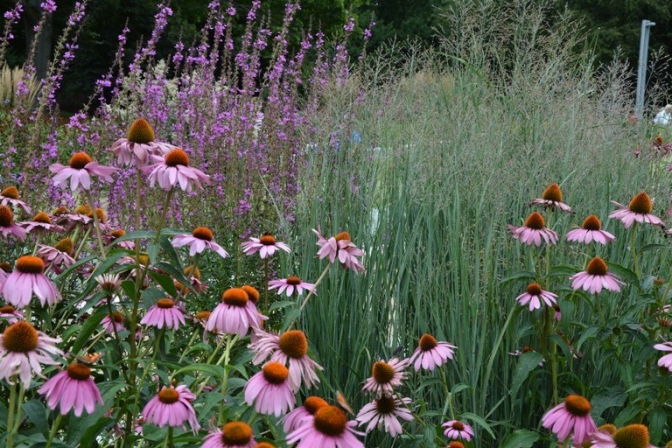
(641, 71)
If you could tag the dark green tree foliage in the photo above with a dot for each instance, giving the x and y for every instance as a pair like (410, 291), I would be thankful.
(617, 23)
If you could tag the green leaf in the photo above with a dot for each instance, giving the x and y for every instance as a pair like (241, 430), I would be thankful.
(586, 334)
(212, 370)
(90, 325)
(37, 414)
(527, 275)
(479, 421)
(657, 420)
(612, 398)
(626, 416)
(177, 275)
(562, 271)
(521, 438)
(627, 275)
(170, 251)
(165, 282)
(649, 247)
(281, 304)
(112, 257)
(527, 362)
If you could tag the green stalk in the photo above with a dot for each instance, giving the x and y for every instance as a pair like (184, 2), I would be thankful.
(96, 223)
(225, 375)
(310, 294)
(10, 416)
(633, 251)
(54, 430)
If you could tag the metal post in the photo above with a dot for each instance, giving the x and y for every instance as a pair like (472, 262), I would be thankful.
(641, 71)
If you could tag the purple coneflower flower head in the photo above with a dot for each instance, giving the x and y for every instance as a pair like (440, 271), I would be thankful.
(41, 223)
(665, 361)
(590, 231)
(534, 231)
(302, 414)
(235, 314)
(172, 407)
(385, 376)
(7, 225)
(113, 322)
(289, 348)
(639, 210)
(173, 170)
(108, 282)
(266, 246)
(431, 354)
(232, 435)
(329, 427)
(385, 413)
(270, 390)
(10, 196)
(552, 198)
(342, 247)
(57, 257)
(200, 239)
(558, 312)
(72, 389)
(595, 277)
(570, 416)
(139, 145)
(28, 279)
(164, 313)
(534, 295)
(23, 349)
(290, 284)
(457, 430)
(631, 436)
(79, 172)
(10, 314)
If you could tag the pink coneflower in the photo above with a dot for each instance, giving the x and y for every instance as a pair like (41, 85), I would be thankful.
(108, 282)
(172, 407)
(302, 414)
(384, 412)
(290, 284)
(139, 145)
(534, 295)
(385, 376)
(113, 322)
(551, 198)
(10, 196)
(23, 349)
(639, 210)
(266, 246)
(41, 223)
(232, 435)
(57, 257)
(270, 391)
(289, 348)
(342, 247)
(431, 354)
(457, 430)
(114, 235)
(173, 169)
(72, 389)
(79, 172)
(329, 427)
(10, 315)
(164, 313)
(5, 270)
(665, 361)
(7, 225)
(558, 312)
(235, 314)
(570, 416)
(595, 277)
(590, 231)
(82, 215)
(28, 279)
(533, 231)
(631, 436)
(200, 239)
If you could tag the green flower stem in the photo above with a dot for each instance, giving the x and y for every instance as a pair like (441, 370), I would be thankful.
(81, 245)
(37, 243)
(10, 416)
(553, 358)
(635, 258)
(266, 285)
(54, 430)
(599, 310)
(449, 396)
(116, 338)
(310, 294)
(191, 341)
(145, 371)
(96, 223)
(225, 376)
(168, 442)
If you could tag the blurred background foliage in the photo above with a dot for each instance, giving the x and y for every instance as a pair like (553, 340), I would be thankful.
(612, 28)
